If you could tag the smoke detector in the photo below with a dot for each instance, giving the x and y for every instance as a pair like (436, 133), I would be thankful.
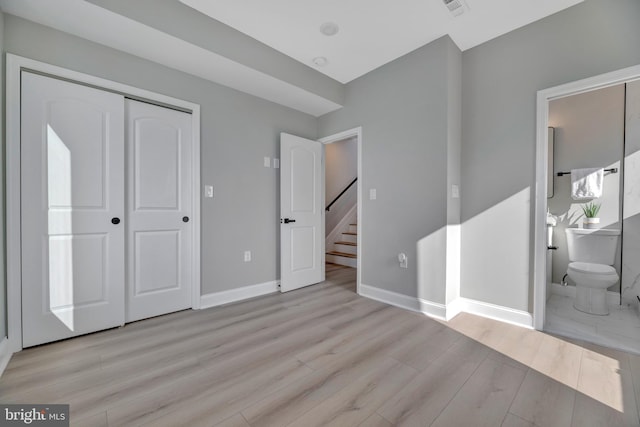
(329, 29)
(456, 7)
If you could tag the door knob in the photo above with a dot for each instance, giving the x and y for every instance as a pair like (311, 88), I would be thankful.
(115, 220)
(185, 219)
(287, 220)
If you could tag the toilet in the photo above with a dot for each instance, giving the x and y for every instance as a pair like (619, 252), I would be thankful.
(591, 256)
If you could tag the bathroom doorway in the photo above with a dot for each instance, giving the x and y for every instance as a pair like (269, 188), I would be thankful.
(595, 124)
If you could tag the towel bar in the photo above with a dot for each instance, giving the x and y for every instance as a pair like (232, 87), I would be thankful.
(612, 170)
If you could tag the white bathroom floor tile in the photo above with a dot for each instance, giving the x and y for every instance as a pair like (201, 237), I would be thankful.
(632, 333)
(620, 329)
(569, 326)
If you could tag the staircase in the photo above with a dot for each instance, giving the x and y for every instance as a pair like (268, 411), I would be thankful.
(345, 250)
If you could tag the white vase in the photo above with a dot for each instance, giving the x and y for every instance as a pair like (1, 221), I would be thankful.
(591, 223)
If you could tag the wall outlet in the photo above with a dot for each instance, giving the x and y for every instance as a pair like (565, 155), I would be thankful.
(403, 260)
(455, 191)
(247, 256)
(373, 194)
(208, 191)
(267, 162)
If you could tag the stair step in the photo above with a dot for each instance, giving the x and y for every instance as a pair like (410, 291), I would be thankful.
(346, 243)
(343, 254)
(350, 233)
(347, 247)
(341, 258)
(349, 237)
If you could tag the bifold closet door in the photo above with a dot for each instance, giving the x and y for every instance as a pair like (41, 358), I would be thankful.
(159, 226)
(72, 204)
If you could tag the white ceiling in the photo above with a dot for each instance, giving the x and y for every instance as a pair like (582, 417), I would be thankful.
(94, 23)
(372, 32)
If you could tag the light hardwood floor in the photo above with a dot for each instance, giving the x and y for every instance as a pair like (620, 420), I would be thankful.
(324, 356)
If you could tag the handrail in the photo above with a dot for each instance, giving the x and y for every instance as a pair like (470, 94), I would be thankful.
(341, 193)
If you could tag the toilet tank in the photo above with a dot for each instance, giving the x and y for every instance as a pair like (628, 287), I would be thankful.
(596, 246)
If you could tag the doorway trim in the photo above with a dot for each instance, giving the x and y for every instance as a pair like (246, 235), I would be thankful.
(351, 133)
(540, 210)
(15, 65)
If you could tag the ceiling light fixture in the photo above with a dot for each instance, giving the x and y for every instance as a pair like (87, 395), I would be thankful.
(329, 29)
(320, 61)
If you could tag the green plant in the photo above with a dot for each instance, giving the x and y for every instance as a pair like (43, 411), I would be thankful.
(591, 209)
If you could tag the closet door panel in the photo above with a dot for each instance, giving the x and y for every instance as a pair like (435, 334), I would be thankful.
(159, 233)
(72, 164)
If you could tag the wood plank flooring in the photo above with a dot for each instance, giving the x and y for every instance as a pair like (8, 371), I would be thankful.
(323, 356)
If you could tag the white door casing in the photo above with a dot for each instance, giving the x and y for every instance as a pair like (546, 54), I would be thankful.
(159, 227)
(302, 212)
(72, 158)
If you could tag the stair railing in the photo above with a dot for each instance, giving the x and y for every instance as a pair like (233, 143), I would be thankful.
(340, 195)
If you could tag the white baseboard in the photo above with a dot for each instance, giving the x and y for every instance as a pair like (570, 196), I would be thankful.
(5, 354)
(433, 309)
(454, 308)
(429, 308)
(449, 311)
(613, 298)
(232, 295)
(496, 312)
(391, 298)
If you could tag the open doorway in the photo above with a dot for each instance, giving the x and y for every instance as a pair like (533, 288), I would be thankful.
(579, 112)
(343, 226)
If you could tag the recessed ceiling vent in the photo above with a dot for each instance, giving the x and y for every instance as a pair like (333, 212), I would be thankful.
(456, 7)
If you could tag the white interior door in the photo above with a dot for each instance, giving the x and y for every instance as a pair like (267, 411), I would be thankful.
(159, 227)
(301, 212)
(72, 159)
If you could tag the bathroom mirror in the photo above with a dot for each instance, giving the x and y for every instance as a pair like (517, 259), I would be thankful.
(550, 163)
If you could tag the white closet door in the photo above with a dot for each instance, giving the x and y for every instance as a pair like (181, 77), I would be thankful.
(159, 227)
(72, 162)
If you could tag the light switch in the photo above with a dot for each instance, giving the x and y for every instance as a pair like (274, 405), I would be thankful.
(267, 162)
(208, 191)
(373, 194)
(276, 163)
(455, 191)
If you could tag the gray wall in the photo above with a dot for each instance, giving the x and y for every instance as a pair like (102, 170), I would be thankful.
(589, 132)
(499, 83)
(403, 110)
(237, 131)
(630, 277)
(341, 166)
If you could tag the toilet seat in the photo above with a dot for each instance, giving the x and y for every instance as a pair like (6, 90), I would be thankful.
(592, 268)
